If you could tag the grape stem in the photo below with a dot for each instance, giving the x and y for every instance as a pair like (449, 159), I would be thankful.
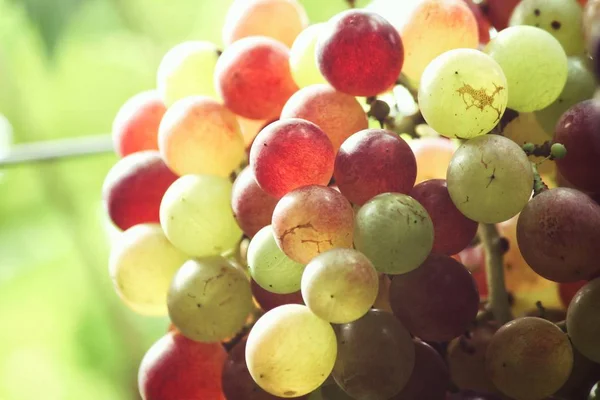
(498, 296)
(538, 183)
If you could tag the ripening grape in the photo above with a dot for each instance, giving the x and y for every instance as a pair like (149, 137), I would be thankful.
(490, 179)
(561, 18)
(360, 179)
(376, 356)
(246, 69)
(281, 20)
(193, 369)
(499, 12)
(394, 231)
(269, 300)
(196, 216)
(463, 93)
(303, 61)
(583, 323)
(584, 375)
(436, 301)
(290, 154)
(558, 234)
(135, 127)
(433, 155)
(311, 220)
(339, 115)
(534, 63)
(250, 128)
(187, 70)
(198, 135)
(141, 265)
(290, 351)
(529, 358)
(270, 267)
(340, 285)
(359, 53)
(209, 299)
(134, 187)
(483, 23)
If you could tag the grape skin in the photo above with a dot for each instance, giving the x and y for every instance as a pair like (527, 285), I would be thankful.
(303, 61)
(583, 324)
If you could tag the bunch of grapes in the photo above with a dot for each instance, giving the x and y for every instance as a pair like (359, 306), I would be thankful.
(304, 204)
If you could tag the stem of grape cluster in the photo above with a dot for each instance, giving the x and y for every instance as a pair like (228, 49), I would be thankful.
(498, 296)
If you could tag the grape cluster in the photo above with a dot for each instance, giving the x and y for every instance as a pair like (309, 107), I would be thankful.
(304, 204)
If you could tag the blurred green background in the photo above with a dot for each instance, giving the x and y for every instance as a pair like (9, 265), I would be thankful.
(66, 66)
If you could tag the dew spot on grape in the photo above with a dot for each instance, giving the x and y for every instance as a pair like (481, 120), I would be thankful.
(479, 98)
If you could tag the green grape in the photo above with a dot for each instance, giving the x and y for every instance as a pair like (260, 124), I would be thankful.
(196, 216)
(490, 179)
(580, 86)
(209, 299)
(463, 93)
(583, 321)
(187, 69)
(270, 267)
(303, 62)
(534, 63)
(142, 264)
(561, 18)
(340, 285)
(290, 351)
(394, 231)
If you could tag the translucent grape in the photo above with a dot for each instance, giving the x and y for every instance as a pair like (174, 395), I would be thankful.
(311, 220)
(209, 299)
(433, 155)
(187, 70)
(270, 267)
(490, 179)
(583, 323)
(340, 285)
(394, 231)
(303, 61)
(561, 18)
(141, 265)
(290, 351)
(529, 358)
(463, 93)
(535, 66)
(269, 300)
(196, 216)
(199, 136)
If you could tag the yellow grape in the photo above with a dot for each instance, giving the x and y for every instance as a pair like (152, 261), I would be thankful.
(303, 62)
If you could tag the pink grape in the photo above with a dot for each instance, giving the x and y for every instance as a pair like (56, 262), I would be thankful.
(433, 156)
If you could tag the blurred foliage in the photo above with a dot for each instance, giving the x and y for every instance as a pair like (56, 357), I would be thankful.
(66, 66)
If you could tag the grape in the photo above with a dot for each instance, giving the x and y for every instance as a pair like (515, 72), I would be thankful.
(395, 232)
(561, 18)
(433, 155)
(360, 179)
(360, 53)
(463, 93)
(483, 24)
(269, 300)
(141, 265)
(339, 115)
(376, 357)
(244, 71)
(209, 299)
(340, 285)
(529, 358)
(452, 230)
(252, 207)
(290, 154)
(558, 234)
(311, 220)
(176, 367)
(303, 61)
(196, 216)
(584, 375)
(490, 179)
(290, 351)
(382, 302)
(429, 378)
(186, 70)
(134, 187)
(499, 12)
(535, 66)
(436, 301)
(135, 128)
(282, 20)
(199, 136)
(433, 28)
(583, 323)
(567, 291)
(270, 267)
(578, 131)
(250, 129)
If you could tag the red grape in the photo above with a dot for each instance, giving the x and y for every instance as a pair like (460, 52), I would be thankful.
(268, 300)
(134, 188)
(290, 154)
(499, 11)
(437, 301)
(360, 53)
(483, 24)
(359, 178)
(567, 290)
